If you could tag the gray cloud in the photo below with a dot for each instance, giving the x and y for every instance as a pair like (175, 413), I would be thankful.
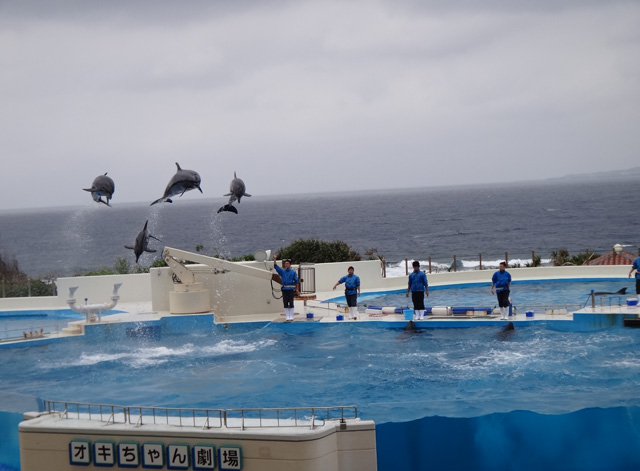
(330, 95)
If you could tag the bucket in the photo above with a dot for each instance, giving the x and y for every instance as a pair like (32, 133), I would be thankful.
(632, 302)
(529, 314)
(408, 314)
(339, 318)
(309, 315)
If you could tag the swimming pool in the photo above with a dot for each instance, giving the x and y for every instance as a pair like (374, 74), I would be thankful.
(525, 294)
(441, 398)
(14, 323)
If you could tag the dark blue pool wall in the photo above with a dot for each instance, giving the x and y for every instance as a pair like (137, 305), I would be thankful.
(587, 440)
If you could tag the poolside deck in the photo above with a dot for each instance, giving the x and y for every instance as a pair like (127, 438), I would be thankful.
(319, 311)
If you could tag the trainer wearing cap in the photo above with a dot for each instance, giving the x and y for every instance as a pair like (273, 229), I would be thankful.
(351, 291)
(289, 279)
(418, 286)
(501, 285)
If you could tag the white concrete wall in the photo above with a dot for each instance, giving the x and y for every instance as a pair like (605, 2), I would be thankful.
(234, 295)
(369, 271)
(231, 294)
(98, 289)
(136, 288)
(44, 444)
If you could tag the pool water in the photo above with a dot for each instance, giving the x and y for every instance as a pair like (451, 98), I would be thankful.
(389, 374)
(14, 323)
(446, 398)
(525, 295)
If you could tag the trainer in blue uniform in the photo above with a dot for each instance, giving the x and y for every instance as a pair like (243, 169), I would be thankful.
(351, 291)
(636, 267)
(289, 280)
(418, 286)
(501, 283)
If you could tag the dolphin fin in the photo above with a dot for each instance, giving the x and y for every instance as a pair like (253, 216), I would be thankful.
(129, 247)
(150, 250)
(228, 207)
(247, 194)
(154, 237)
(603, 293)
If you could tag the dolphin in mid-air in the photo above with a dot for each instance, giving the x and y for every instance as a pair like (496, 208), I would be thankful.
(142, 242)
(183, 180)
(237, 190)
(102, 186)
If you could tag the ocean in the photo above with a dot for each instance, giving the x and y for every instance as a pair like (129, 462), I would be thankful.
(436, 222)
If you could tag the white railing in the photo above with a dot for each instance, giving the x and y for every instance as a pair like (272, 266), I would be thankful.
(202, 418)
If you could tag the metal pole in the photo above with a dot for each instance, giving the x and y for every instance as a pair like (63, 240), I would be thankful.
(533, 258)
(506, 258)
(455, 268)
(406, 266)
(430, 262)
(480, 259)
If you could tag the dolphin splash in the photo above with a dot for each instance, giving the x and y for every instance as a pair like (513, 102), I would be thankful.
(102, 186)
(182, 181)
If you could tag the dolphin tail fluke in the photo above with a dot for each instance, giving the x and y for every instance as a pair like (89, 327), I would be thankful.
(228, 207)
(161, 200)
(226, 194)
(89, 189)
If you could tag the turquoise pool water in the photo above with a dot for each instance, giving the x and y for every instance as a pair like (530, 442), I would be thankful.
(525, 294)
(442, 398)
(14, 323)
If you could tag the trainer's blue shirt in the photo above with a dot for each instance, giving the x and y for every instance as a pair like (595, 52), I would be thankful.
(289, 277)
(417, 281)
(351, 283)
(501, 280)
(636, 265)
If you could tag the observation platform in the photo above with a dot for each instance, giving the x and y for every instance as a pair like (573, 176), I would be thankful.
(67, 435)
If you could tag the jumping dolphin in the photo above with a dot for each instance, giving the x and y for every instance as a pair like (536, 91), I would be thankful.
(621, 291)
(142, 242)
(183, 180)
(237, 190)
(102, 186)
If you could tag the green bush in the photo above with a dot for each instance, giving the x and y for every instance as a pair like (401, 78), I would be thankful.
(562, 257)
(318, 251)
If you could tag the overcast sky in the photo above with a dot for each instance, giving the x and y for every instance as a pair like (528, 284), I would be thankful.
(311, 96)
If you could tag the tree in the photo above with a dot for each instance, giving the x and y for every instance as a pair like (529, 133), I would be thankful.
(561, 257)
(318, 251)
